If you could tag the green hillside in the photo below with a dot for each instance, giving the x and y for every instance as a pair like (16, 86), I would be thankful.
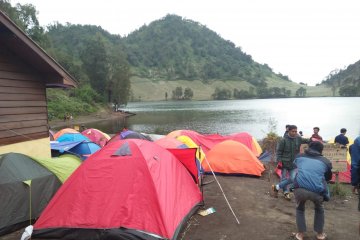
(175, 48)
(144, 89)
(345, 82)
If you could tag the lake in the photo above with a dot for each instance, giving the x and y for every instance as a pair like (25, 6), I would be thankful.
(256, 116)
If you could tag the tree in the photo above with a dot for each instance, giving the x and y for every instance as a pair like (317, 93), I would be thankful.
(288, 93)
(188, 93)
(349, 91)
(177, 93)
(301, 92)
(25, 16)
(221, 94)
(118, 86)
(96, 63)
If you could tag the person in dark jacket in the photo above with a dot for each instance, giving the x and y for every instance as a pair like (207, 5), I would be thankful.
(341, 138)
(287, 149)
(355, 166)
(310, 183)
(286, 130)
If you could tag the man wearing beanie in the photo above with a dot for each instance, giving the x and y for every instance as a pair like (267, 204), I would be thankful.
(310, 183)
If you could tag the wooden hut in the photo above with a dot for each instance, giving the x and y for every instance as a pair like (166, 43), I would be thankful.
(26, 70)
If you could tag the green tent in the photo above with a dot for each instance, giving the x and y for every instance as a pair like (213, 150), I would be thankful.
(62, 166)
(26, 187)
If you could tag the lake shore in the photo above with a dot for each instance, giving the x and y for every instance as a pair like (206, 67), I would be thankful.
(86, 119)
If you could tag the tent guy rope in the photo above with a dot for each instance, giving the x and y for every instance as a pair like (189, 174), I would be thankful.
(227, 201)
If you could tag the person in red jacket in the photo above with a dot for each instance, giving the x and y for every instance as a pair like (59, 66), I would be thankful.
(316, 136)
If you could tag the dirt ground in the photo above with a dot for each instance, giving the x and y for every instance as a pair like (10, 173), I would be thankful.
(261, 215)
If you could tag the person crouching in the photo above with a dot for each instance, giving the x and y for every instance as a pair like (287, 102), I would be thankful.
(310, 183)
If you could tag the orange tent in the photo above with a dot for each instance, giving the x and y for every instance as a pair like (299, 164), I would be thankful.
(65, 130)
(232, 157)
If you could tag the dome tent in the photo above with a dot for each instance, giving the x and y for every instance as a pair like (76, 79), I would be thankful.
(231, 157)
(23, 181)
(130, 189)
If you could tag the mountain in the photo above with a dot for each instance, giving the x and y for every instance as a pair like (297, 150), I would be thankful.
(173, 57)
(173, 52)
(345, 82)
(175, 48)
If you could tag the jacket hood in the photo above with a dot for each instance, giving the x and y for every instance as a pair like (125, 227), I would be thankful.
(357, 142)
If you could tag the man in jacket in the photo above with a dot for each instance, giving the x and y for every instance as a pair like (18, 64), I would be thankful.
(287, 149)
(310, 183)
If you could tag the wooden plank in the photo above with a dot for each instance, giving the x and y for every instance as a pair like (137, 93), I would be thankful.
(4, 104)
(6, 66)
(23, 124)
(21, 76)
(14, 67)
(21, 97)
(4, 82)
(22, 117)
(22, 90)
(22, 131)
(16, 139)
(23, 110)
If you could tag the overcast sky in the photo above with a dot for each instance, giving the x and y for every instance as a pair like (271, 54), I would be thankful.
(303, 39)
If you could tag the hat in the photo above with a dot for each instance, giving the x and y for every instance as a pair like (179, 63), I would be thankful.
(316, 146)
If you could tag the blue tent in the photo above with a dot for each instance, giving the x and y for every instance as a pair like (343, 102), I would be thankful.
(80, 148)
(72, 137)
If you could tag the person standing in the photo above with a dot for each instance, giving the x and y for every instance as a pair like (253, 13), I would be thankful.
(286, 129)
(287, 149)
(341, 138)
(316, 136)
(310, 183)
(355, 166)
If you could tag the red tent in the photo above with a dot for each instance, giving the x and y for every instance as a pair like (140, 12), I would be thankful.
(188, 158)
(208, 141)
(96, 136)
(130, 189)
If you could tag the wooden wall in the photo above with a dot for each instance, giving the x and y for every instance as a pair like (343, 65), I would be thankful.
(23, 109)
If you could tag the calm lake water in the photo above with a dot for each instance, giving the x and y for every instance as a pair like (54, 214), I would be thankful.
(253, 116)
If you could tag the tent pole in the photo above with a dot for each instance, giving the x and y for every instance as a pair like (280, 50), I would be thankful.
(237, 220)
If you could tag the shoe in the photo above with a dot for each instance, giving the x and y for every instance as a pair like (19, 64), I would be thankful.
(297, 236)
(287, 196)
(321, 236)
(274, 190)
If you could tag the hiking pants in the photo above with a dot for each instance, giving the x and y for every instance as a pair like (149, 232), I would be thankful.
(287, 179)
(301, 196)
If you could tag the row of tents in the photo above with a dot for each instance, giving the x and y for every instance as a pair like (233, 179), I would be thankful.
(129, 186)
(132, 186)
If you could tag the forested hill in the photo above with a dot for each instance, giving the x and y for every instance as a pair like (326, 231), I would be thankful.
(176, 48)
(169, 55)
(345, 82)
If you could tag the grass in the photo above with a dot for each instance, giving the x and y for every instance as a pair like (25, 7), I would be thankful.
(154, 90)
(338, 189)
